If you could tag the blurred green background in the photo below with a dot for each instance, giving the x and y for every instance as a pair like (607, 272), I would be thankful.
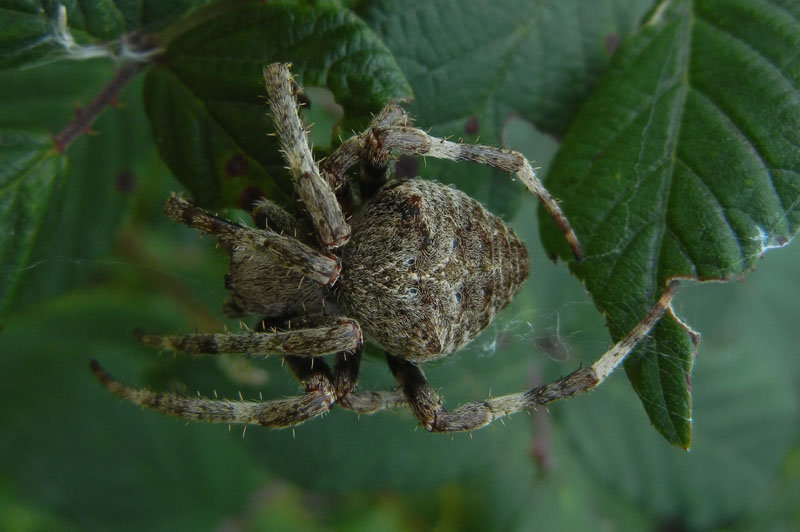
(75, 457)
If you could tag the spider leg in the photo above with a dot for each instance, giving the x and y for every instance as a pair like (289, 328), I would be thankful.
(345, 373)
(279, 413)
(313, 374)
(345, 377)
(337, 335)
(374, 401)
(366, 149)
(322, 391)
(284, 249)
(267, 214)
(415, 141)
(426, 404)
(422, 398)
(317, 195)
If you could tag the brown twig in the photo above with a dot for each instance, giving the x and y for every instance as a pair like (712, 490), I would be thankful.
(85, 116)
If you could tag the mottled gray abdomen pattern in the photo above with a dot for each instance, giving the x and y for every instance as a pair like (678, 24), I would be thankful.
(428, 268)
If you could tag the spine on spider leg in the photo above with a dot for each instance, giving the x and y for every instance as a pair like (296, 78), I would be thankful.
(416, 141)
(316, 193)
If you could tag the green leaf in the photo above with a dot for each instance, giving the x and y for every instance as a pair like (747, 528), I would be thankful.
(102, 171)
(101, 18)
(133, 15)
(538, 60)
(683, 163)
(38, 31)
(205, 98)
(28, 35)
(30, 172)
(48, 30)
(48, 97)
(475, 64)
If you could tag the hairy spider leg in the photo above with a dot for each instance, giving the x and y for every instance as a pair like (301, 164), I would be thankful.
(345, 372)
(267, 214)
(322, 391)
(369, 402)
(315, 192)
(344, 380)
(367, 150)
(426, 404)
(279, 413)
(348, 358)
(286, 250)
(301, 347)
(338, 334)
(417, 142)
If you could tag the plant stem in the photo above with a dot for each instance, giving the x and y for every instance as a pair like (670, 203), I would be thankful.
(85, 116)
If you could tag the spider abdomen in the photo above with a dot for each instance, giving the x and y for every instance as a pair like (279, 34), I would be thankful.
(428, 268)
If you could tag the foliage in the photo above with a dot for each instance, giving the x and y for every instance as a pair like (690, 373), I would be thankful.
(676, 130)
(683, 164)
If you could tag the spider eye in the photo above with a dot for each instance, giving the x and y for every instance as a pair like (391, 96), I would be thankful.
(412, 292)
(411, 261)
(455, 243)
(458, 297)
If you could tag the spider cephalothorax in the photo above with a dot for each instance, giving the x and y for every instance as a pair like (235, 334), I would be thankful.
(422, 271)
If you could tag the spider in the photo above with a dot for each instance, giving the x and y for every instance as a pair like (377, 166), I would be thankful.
(422, 271)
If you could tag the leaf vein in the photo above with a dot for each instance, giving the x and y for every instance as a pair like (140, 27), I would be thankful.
(765, 60)
(721, 210)
(756, 149)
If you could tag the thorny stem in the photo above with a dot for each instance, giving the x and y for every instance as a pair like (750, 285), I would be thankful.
(85, 116)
